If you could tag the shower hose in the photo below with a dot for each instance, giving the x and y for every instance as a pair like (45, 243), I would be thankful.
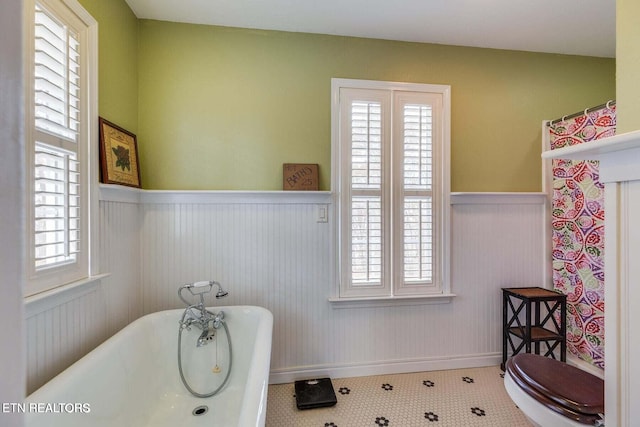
(184, 381)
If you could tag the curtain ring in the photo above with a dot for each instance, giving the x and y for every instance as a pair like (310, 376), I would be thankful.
(609, 102)
(586, 112)
(563, 117)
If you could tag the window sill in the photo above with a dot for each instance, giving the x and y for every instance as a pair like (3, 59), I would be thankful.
(366, 302)
(46, 300)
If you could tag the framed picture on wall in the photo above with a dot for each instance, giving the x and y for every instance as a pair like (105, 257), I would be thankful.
(118, 155)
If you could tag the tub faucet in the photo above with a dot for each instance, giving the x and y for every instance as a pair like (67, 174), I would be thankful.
(200, 289)
(197, 314)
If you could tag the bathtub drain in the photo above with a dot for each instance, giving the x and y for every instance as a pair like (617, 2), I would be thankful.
(200, 410)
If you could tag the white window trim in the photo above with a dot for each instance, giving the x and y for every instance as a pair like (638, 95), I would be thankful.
(339, 299)
(48, 279)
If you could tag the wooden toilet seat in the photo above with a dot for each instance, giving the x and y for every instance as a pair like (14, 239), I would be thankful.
(570, 391)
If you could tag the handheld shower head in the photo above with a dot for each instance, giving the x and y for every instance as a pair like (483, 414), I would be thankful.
(221, 292)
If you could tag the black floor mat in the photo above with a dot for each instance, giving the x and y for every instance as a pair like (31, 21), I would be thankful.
(316, 393)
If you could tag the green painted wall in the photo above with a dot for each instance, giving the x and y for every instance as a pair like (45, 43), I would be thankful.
(117, 61)
(223, 108)
(628, 63)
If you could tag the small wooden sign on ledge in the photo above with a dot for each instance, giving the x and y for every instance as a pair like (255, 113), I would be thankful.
(299, 177)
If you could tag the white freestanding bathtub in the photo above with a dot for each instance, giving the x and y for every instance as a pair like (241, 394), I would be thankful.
(132, 379)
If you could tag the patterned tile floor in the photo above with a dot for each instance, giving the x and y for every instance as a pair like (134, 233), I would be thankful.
(456, 398)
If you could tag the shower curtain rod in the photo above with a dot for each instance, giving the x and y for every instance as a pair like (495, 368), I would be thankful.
(579, 113)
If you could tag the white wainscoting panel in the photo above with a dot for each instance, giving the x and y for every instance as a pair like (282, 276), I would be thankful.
(278, 256)
(60, 335)
(494, 246)
(62, 330)
(119, 253)
(274, 253)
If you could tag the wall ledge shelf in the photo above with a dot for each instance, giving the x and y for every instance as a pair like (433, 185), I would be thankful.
(619, 156)
(595, 149)
(122, 194)
(117, 193)
(498, 198)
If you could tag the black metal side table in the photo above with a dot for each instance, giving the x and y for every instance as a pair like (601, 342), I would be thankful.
(544, 322)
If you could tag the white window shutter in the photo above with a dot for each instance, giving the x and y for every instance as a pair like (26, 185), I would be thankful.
(364, 191)
(60, 110)
(57, 207)
(56, 86)
(416, 243)
(392, 167)
(366, 210)
(57, 77)
(417, 178)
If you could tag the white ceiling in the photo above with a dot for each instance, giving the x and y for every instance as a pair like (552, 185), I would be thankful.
(576, 27)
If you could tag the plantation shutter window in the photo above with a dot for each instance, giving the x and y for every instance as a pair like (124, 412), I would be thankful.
(391, 176)
(56, 77)
(57, 207)
(366, 193)
(58, 130)
(365, 134)
(416, 192)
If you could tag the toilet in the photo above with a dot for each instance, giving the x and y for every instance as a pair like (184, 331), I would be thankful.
(552, 393)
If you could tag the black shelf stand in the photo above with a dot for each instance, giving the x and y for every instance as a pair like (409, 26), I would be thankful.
(544, 322)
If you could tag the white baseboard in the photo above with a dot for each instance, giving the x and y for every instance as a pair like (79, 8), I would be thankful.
(289, 375)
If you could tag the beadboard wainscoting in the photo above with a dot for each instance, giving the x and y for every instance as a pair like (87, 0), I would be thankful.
(119, 253)
(61, 329)
(65, 324)
(273, 250)
(279, 256)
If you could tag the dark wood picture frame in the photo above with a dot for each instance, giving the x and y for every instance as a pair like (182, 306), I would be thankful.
(118, 155)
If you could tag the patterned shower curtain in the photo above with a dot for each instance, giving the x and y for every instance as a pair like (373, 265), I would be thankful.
(578, 233)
